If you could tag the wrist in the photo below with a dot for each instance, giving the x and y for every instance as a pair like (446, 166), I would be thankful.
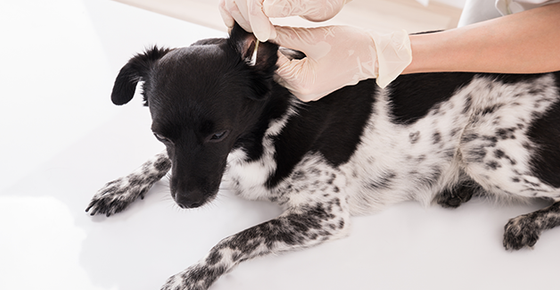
(393, 53)
(431, 52)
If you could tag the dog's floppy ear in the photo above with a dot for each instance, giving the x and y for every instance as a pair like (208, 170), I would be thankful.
(134, 71)
(263, 66)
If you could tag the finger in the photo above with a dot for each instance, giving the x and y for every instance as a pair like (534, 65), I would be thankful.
(297, 76)
(236, 9)
(226, 16)
(290, 37)
(283, 8)
(324, 12)
(311, 10)
(242, 8)
(262, 28)
(285, 71)
(282, 60)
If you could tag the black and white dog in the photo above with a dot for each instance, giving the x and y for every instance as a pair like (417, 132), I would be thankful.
(435, 138)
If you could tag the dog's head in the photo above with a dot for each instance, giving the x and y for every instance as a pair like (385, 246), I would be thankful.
(203, 99)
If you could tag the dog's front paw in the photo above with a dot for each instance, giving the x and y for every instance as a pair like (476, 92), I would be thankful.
(196, 277)
(116, 195)
(521, 232)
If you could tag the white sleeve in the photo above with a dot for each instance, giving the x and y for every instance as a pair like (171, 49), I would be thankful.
(507, 7)
(478, 10)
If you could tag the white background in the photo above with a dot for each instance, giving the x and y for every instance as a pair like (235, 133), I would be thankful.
(61, 139)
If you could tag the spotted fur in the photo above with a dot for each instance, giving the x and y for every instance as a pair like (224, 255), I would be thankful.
(434, 138)
(116, 195)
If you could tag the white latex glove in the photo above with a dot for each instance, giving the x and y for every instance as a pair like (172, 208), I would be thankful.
(338, 56)
(253, 15)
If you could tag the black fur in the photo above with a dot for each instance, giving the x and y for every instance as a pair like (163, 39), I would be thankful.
(332, 127)
(544, 132)
(413, 96)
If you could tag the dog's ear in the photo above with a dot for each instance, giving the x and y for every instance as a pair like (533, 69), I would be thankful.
(134, 71)
(263, 66)
(245, 42)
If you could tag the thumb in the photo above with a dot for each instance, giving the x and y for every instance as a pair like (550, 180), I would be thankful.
(226, 16)
(310, 41)
(297, 75)
(262, 28)
(283, 8)
(260, 24)
(285, 71)
(317, 10)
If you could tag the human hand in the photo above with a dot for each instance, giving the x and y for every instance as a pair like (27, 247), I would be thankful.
(338, 56)
(253, 15)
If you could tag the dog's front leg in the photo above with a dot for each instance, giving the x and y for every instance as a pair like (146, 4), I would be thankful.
(116, 195)
(301, 228)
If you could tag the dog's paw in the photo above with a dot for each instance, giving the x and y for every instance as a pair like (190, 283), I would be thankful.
(520, 232)
(196, 277)
(116, 195)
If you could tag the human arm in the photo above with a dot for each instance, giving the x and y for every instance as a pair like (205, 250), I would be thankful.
(525, 42)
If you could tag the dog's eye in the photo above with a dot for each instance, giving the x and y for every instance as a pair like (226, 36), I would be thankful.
(216, 137)
(162, 139)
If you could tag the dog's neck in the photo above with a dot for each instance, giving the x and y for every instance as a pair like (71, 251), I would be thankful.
(272, 108)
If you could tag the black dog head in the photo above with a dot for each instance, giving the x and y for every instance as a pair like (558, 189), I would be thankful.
(203, 99)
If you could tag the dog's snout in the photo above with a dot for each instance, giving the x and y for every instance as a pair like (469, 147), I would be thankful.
(192, 191)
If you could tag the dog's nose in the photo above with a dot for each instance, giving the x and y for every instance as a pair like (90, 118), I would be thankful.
(189, 205)
(188, 201)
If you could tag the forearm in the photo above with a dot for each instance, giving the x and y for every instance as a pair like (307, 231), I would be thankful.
(526, 42)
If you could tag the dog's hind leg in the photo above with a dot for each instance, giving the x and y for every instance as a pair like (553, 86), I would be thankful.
(455, 196)
(459, 193)
(525, 230)
(116, 195)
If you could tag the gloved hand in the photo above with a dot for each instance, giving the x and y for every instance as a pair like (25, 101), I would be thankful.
(338, 56)
(253, 15)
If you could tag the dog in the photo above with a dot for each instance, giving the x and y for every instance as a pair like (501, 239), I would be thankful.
(438, 138)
